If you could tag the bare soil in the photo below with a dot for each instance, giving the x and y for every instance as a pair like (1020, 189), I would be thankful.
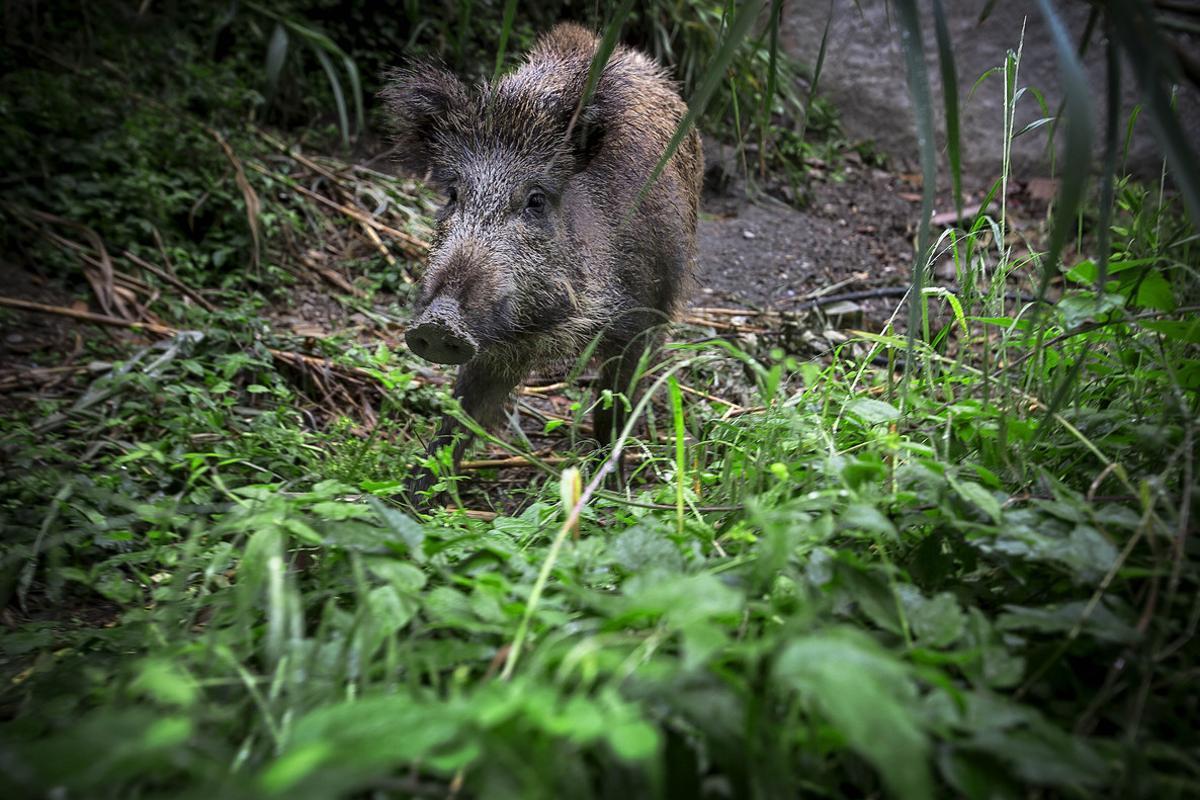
(853, 232)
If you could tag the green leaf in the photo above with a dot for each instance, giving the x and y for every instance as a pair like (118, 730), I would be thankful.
(388, 611)
(646, 548)
(1100, 623)
(634, 740)
(277, 51)
(1178, 330)
(977, 496)
(404, 577)
(166, 682)
(873, 411)
(403, 526)
(867, 695)
(1078, 308)
(345, 745)
(936, 621)
(863, 517)
(1155, 292)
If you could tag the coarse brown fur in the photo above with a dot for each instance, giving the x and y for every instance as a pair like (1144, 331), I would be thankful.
(538, 280)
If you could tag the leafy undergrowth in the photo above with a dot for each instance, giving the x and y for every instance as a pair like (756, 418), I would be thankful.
(833, 586)
(969, 576)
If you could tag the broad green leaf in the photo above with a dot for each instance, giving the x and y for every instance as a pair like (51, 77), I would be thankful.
(873, 411)
(868, 698)
(1101, 623)
(863, 517)
(977, 496)
(634, 740)
(937, 621)
(1155, 292)
(646, 548)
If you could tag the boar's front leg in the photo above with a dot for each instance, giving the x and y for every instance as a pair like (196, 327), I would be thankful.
(482, 390)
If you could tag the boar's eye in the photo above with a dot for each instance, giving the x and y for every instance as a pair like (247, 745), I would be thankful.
(451, 195)
(535, 203)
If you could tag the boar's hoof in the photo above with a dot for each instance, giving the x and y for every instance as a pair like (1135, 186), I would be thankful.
(440, 336)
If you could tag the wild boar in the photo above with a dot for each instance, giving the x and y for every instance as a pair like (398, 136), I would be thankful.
(549, 241)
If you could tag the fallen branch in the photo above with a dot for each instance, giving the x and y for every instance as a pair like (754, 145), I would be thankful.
(519, 462)
(418, 247)
(171, 279)
(87, 316)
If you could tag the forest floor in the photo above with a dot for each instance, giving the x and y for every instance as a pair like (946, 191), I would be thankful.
(850, 236)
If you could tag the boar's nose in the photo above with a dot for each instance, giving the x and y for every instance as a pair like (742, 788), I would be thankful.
(440, 335)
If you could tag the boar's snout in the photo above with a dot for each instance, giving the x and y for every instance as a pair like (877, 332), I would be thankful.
(440, 335)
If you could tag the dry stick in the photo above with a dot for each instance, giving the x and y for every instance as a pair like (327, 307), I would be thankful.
(171, 279)
(338, 184)
(710, 397)
(518, 462)
(537, 390)
(249, 196)
(418, 246)
(166, 330)
(102, 286)
(87, 316)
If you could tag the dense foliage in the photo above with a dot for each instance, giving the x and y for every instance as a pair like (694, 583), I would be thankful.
(824, 578)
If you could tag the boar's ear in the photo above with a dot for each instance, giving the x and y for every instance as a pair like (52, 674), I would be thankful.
(421, 98)
(586, 135)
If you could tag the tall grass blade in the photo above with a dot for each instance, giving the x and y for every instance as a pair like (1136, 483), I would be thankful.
(324, 48)
(1153, 68)
(950, 100)
(608, 43)
(1077, 147)
(680, 473)
(768, 99)
(1076, 162)
(918, 89)
(816, 75)
(339, 99)
(736, 32)
(506, 25)
(1112, 133)
(277, 52)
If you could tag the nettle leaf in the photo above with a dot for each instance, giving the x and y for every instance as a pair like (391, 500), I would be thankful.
(868, 696)
(1100, 623)
(405, 577)
(166, 682)
(1155, 292)
(682, 598)
(1077, 308)
(342, 746)
(1043, 755)
(1179, 330)
(1086, 550)
(994, 665)
(977, 496)
(405, 528)
(646, 548)
(936, 621)
(1041, 537)
(866, 518)
(873, 411)
(1086, 271)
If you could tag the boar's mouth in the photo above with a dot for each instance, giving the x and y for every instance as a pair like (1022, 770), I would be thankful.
(440, 334)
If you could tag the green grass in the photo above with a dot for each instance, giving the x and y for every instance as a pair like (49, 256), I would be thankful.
(825, 579)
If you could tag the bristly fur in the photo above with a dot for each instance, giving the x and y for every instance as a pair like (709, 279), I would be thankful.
(539, 291)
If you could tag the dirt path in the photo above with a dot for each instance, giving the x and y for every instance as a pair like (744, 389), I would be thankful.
(854, 233)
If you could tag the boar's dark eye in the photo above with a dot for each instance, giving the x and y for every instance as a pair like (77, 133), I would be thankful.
(452, 195)
(535, 203)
